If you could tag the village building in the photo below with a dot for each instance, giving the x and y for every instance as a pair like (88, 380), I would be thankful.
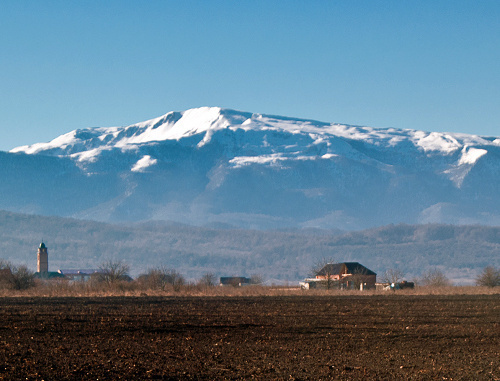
(236, 281)
(79, 275)
(70, 275)
(395, 286)
(345, 275)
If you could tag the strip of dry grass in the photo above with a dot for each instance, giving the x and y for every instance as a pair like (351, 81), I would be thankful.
(93, 289)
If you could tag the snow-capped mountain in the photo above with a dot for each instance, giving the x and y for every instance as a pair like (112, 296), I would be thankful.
(213, 165)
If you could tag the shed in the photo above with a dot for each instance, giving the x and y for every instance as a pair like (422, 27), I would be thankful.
(236, 281)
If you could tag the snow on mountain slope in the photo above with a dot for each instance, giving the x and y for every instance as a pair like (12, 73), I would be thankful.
(216, 165)
(208, 120)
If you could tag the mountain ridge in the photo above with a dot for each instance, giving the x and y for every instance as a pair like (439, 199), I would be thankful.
(213, 165)
(177, 125)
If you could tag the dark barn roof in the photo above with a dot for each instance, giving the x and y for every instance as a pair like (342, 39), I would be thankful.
(345, 267)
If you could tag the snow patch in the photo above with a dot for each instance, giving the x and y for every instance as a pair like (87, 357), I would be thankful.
(242, 161)
(87, 156)
(206, 139)
(328, 156)
(273, 159)
(436, 141)
(471, 155)
(145, 162)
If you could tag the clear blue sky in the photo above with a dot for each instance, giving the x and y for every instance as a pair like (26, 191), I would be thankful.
(431, 65)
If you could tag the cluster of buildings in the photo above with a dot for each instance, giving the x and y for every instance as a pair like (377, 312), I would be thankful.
(345, 276)
(42, 269)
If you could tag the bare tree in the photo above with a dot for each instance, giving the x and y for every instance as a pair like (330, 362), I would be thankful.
(113, 271)
(17, 278)
(393, 276)
(490, 277)
(22, 278)
(435, 278)
(5, 274)
(161, 277)
(4, 265)
(208, 280)
(256, 279)
(321, 269)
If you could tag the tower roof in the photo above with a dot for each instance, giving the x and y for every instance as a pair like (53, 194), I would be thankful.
(42, 246)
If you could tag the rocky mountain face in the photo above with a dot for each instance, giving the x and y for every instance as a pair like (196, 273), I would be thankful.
(212, 166)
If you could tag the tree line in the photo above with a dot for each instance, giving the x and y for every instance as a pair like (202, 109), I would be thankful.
(111, 274)
(114, 273)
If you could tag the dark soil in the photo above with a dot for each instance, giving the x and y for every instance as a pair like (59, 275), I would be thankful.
(302, 338)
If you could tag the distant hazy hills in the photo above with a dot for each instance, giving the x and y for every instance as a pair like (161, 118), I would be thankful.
(216, 166)
(460, 251)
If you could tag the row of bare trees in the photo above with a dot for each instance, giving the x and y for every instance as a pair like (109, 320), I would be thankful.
(431, 278)
(113, 274)
(159, 278)
(489, 277)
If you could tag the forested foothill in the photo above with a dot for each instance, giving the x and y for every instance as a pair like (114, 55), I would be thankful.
(460, 252)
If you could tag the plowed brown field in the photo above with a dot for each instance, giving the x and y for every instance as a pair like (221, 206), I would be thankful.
(293, 337)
